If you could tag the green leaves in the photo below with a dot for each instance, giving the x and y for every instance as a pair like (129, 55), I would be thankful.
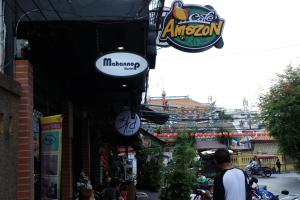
(150, 160)
(280, 111)
(181, 177)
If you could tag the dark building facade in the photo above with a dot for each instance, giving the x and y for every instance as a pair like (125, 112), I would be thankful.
(52, 50)
(9, 104)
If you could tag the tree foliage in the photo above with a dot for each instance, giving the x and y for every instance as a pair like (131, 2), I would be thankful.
(151, 164)
(280, 112)
(181, 176)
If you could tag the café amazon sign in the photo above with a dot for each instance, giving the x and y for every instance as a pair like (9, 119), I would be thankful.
(192, 28)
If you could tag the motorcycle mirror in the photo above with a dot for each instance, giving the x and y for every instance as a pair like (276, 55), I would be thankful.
(285, 192)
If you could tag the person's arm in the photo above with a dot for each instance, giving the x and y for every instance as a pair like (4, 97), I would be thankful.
(207, 195)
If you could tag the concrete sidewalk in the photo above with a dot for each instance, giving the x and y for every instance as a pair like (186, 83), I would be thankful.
(288, 174)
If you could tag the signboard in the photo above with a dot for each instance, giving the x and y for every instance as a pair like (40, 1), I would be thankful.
(126, 124)
(122, 64)
(192, 28)
(51, 157)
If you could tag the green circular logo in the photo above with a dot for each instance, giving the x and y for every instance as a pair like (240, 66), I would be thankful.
(192, 28)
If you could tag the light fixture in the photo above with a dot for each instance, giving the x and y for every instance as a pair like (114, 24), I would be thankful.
(124, 85)
(120, 48)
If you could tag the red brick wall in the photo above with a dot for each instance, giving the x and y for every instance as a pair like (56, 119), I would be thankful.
(25, 163)
(67, 153)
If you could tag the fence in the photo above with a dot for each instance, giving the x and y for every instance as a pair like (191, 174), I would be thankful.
(242, 160)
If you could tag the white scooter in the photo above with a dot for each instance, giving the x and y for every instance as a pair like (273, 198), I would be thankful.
(285, 195)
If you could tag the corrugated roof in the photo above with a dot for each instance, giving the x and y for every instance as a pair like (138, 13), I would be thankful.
(208, 144)
(180, 102)
(262, 139)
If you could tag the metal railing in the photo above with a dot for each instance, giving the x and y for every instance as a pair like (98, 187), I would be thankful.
(155, 12)
(242, 160)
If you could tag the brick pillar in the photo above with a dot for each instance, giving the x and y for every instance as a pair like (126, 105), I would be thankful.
(67, 153)
(85, 147)
(25, 163)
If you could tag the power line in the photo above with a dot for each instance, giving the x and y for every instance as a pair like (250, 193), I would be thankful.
(151, 113)
(236, 53)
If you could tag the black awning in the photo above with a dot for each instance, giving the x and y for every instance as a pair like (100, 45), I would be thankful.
(154, 116)
(82, 10)
(152, 137)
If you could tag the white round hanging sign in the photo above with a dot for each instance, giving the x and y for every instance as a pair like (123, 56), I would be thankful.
(126, 124)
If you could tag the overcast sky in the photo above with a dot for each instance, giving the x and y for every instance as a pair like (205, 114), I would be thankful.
(261, 38)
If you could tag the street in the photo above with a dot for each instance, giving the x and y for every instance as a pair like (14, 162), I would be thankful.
(278, 182)
(275, 184)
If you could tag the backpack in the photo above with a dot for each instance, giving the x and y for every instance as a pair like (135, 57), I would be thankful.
(248, 186)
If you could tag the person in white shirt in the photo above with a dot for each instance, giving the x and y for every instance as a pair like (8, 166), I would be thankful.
(231, 183)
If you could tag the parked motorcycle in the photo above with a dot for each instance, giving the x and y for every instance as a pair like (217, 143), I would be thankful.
(285, 195)
(262, 171)
(260, 192)
(257, 192)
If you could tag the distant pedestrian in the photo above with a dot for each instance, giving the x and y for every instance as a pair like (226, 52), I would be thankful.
(278, 164)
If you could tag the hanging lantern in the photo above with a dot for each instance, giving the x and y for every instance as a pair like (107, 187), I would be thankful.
(265, 134)
(252, 134)
(218, 134)
(246, 134)
(237, 134)
(175, 135)
(259, 134)
(155, 134)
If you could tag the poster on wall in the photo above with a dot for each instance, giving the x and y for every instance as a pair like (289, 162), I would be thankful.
(51, 138)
